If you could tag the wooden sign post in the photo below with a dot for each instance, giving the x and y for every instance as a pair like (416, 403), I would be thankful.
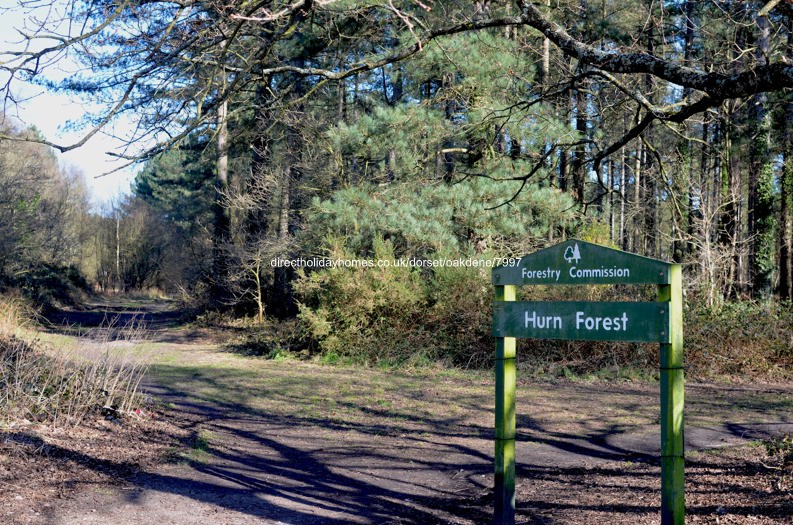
(578, 262)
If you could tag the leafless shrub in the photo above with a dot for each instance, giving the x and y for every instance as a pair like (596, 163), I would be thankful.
(51, 385)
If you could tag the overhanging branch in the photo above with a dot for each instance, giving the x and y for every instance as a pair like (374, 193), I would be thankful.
(771, 77)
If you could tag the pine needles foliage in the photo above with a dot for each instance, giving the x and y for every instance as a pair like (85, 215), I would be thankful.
(410, 304)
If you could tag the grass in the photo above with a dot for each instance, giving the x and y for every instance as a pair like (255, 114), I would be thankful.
(422, 395)
(40, 382)
(199, 450)
(16, 315)
(426, 399)
(202, 441)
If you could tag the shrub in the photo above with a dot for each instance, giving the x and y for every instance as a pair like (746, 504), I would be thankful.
(37, 385)
(402, 315)
(51, 285)
(741, 338)
(460, 318)
(362, 314)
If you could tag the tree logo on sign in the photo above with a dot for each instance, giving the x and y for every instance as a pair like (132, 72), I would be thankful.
(572, 254)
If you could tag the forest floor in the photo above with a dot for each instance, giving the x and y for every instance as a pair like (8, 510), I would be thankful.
(235, 439)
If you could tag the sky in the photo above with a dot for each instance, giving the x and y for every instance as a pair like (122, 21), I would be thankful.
(49, 112)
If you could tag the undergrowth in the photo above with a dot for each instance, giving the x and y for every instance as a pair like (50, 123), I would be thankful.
(780, 453)
(743, 340)
(47, 285)
(40, 384)
(748, 339)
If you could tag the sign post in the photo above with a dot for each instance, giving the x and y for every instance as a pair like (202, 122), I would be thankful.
(672, 394)
(577, 262)
(504, 506)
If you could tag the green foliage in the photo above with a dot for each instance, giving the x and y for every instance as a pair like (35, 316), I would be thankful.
(412, 132)
(739, 339)
(780, 451)
(179, 185)
(460, 319)
(458, 108)
(50, 285)
(398, 313)
(782, 446)
(357, 313)
(765, 245)
(440, 218)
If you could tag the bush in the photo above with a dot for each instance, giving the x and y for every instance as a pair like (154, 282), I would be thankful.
(361, 314)
(742, 338)
(36, 385)
(51, 286)
(460, 318)
(277, 340)
(399, 315)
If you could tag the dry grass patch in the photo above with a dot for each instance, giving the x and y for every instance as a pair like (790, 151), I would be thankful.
(53, 385)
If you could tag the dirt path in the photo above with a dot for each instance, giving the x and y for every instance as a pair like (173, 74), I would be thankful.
(285, 442)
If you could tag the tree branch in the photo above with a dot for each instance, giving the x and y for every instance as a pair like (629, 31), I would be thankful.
(680, 115)
(719, 86)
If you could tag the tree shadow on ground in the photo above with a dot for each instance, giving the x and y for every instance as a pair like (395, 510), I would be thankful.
(383, 466)
(149, 321)
(111, 324)
(283, 469)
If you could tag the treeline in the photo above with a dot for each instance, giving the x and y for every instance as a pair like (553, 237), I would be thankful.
(485, 144)
(45, 224)
(54, 247)
(443, 129)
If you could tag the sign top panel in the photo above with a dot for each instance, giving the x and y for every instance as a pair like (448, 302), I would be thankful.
(580, 262)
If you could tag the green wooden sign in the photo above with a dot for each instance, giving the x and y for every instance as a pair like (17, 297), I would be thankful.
(581, 321)
(578, 262)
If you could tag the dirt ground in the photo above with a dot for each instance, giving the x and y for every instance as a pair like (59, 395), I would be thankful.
(232, 439)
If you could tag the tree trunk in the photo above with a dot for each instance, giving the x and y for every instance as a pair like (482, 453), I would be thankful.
(563, 169)
(623, 240)
(283, 210)
(786, 194)
(648, 203)
(341, 93)
(118, 250)
(257, 278)
(284, 304)
(545, 67)
(222, 223)
(578, 106)
(577, 165)
(638, 213)
(786, 222)
(761, 200)
(685, 184)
